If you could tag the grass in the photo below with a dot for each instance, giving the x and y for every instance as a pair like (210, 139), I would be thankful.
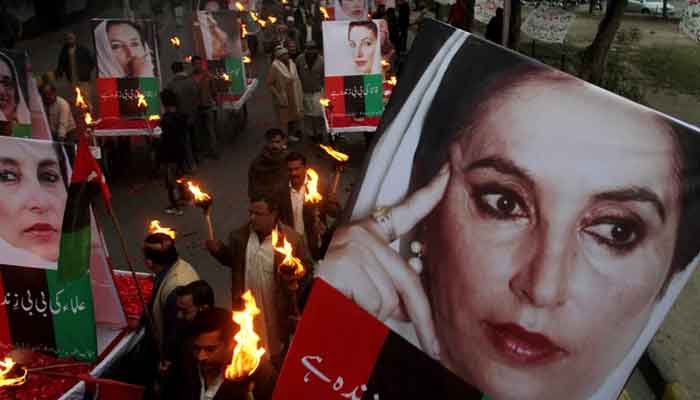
(669, 67)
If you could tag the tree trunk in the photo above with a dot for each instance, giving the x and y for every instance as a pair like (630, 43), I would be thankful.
(514, 24)
(665, 9)
(595, 56)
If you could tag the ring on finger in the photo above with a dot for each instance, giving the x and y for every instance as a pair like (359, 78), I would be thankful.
(382, 216)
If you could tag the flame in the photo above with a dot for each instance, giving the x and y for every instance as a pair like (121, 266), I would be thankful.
(247, 60)
(253, 15)
(335, 153)
(312, 195)
(288, 252)
(188, 59)
(199, 195)
(244, 30)
(88, 119)
(272, 19)
(246, 354)
(154, 117)
(392, 81)
(262, 23)
(5, 367)
(285, 1)
(325, 102)
(154, 227)
(225, 76)
(324, 12)
(386, 63)
(141, 101)
(239, 6)
(79, 100)
(175, 41)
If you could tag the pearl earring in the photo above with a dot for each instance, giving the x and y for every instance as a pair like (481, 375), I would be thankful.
(415, 262)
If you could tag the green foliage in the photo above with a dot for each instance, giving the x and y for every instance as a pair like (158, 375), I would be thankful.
(668, 67)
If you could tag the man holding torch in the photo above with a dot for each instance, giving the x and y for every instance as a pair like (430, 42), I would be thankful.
(256, 266)
(211, 335)
(308, 218)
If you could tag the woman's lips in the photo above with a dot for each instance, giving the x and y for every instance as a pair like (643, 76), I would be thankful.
(360, 63)
(520, 346)
(42, 232)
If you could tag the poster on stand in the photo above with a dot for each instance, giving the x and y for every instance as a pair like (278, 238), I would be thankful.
(128, 81)
(548, 23)
(45, 243)
(523, 228)
(15, 115)
(690, 20)
(350, 10)
(353, 73)
(217, 39)
(484, 10)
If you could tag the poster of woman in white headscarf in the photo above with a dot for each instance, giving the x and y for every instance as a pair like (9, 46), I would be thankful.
(128, 82)
(352, 64)
(353, 10)
(217, 39)
(15, 117)
(524, 228)
(125, 49)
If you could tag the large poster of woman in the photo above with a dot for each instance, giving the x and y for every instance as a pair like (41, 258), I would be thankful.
(354, 79)
(15, 117)
(351, 10)
(127, 71)
(525, 228)
(217, 39)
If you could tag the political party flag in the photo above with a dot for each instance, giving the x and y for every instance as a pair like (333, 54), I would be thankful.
(327, 360)
(120, 98)
(356, 95)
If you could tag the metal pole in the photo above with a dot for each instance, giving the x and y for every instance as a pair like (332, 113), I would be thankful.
(506, 21)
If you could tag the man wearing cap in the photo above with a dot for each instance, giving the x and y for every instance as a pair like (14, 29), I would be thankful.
(310, 66)
(287, 93)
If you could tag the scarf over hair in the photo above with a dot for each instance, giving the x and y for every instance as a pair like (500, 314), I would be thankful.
(107, 64)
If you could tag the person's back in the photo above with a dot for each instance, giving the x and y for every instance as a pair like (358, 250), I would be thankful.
(494, 29)
(174, 127)
(187, 93)
(268, 171)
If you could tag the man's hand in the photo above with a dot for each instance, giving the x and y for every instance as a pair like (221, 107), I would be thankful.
(213, 246)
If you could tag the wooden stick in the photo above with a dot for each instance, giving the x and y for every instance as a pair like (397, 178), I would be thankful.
(58, 366)
(336, 181)
(210, 226)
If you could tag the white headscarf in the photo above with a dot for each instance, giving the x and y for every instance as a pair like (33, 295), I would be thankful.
(387, 181)
(11, 255)
(107, 64)
(22, 115)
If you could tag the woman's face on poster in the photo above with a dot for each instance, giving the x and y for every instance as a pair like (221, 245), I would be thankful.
(8, 91)
(33, 198)
(354, 9)
(363, 45)
(126, 44)
(552, 242)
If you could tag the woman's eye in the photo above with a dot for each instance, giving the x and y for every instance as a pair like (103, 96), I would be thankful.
(135, 44)
(7, 176)
(49, 177)
(617, 234)
(502, 204)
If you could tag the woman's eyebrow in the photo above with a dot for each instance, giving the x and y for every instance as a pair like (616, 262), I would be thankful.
(503, 166)
(634, 193)
(10, 161)
(48, 163)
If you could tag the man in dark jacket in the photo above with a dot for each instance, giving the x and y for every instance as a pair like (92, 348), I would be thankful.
(309, 220)
(494, 30)
(404, 10)
(172, 151)
(187, 94)
(310, 68)
(268, 171)
(212, 343)
(76, 63)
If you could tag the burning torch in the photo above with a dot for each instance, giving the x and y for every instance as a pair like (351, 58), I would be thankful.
(313, 197)
(10, 377)
(155, 227)
(247, 353)
(341, 161)
(291, 269)
(202, 200)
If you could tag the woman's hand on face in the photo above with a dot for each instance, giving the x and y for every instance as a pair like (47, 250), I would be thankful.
(361, 264)
(140, 65)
